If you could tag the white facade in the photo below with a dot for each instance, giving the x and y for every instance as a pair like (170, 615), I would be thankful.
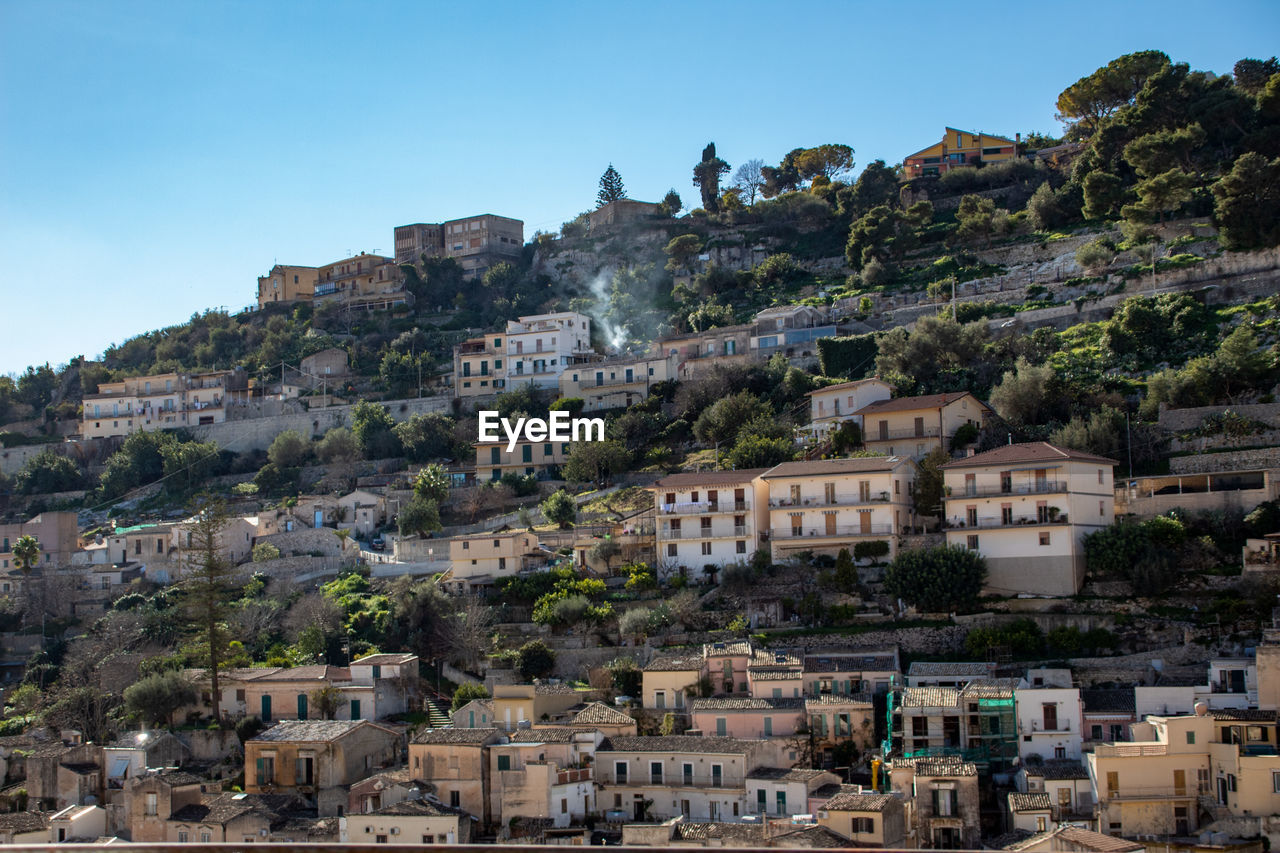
(1027, 508)
(1049, 722)
(834, 405)
(540, 347)
(708, 519)
(617, 382)
(1163, 701)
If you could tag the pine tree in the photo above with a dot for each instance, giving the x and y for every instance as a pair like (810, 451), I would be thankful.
(611, 188)
(208, 589)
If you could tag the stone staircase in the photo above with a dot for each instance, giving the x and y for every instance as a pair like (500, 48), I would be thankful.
(437, 715)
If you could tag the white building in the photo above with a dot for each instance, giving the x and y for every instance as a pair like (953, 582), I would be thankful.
(834, 405)
(709, 518)
(540, 347)
(1049, 722)
(1027, 508)
(828, 505)
(616, 382)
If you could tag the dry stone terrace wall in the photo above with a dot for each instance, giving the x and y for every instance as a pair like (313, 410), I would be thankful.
(1236, 460)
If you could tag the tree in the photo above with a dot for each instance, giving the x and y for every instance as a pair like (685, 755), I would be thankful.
(719, 423)
(875, 187)
(749, 180)
(937, 579)
(706, 176)
(1043, 211)
(432, 483)
(929, 487)
(1247, 203)
(1098, 433)
(264, 552)
(535, 660)
(208, 589)
(288, 449)
(155, 698)
(560, 509)
(373, 428)
(1161, 194)
(1091, 99)
(137, 463)
(338, 446)
(758, 451)
(846, 572)
(426, 437)
(465, 692)
(605, 551)
(1094, 255)
(611, 188)
(1022, 395)
(1251, 75)
(976, 218)
(26, 553)
(326, 701)
(595, 461)
(420, 515)
(46, 472)
(681, 250)
(671, 202)
(825, 161)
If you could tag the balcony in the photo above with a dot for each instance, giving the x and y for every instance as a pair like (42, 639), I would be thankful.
(837, 500)
(702, 507)
(836, 531)
(1129, 750)
(991, 522)
(900, 434)
(1039, 487)
(1154, 792)
(1059, 726)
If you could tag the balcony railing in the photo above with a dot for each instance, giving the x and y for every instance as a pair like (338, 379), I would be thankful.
(702, 507)
(1153, 792)
(839, 530)
(1219, 687)
(1059, 726)
(836, 500)
(1129, 750)
(989, 522)
(676, 780)
(898, 434)
(1039, 487)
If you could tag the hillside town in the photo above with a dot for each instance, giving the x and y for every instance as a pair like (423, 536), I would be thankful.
(935, 508)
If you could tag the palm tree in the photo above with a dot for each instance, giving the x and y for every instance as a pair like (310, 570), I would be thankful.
(26, 553)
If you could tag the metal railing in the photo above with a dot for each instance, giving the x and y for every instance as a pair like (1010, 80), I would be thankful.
(829, 532)
(990, 522)
(898, 434)
(702, 507)
(880, 497)
(1039, 487)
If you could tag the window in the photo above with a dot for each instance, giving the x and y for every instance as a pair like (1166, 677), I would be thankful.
(151, 804)
(972, 543)
(205, 836)
(1275, 781)
(687, 773)
(1044, 538)
(455, 799)
(781, 803)
(671, 550)
(971, 516)
(706, 549)
(1254, 734)
(717, 776)
(182, 836)
(1191, 737)
(864, 825)
(655, 772)
(1006, 513)
(740, 546)
(722, 726)
(504, 762)
(266, 767)
(620, 772)
(1099, 476)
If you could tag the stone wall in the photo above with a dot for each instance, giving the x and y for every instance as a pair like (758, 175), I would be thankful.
(1182, 420)
(1236, 460)
(305, 541)
(210, 744)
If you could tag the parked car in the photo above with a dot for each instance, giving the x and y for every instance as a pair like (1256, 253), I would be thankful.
(378, 544)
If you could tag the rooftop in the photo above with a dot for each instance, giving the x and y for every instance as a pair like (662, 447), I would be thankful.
(746, 703)
(850, 802)
(939, 765)
(911, 404)
(600, 714)
(677, 744)
(1034, 802)
(786, 774)
(384, 660)
(1058, 769)
(821, 467)
(419, 808)
(544, 735)
(1027, 452)
(709, 478)
(309, 731)
(928, 669)
(930, 697)
(675, 663)
(843, 386)
(474, 737)
(1108, 700)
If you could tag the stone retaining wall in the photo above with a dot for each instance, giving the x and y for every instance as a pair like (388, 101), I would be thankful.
(1237, 460)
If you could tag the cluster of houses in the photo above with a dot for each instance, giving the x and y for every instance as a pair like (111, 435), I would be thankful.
(763, 747)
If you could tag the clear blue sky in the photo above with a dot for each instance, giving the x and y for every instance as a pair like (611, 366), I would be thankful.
(156, 157)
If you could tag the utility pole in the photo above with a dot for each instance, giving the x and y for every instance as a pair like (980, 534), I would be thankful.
(954, 313)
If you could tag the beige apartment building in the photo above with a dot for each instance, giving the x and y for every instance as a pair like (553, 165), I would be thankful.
(713, 518)
(543, 773)
(616, 383)
(828, 505)
(1027, 508)
(410, 821)
(944, 801)
(540, 459)
(56, 532)
(699, 352)
(699, 778)
(916, 426)
(868, 820)
(161, 401)
(456, 762)
(480, 559)
(478, 366)
(286, 284)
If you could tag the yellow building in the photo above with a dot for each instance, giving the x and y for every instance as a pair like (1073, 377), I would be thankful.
(828, 505)
(478, 366)
(958, 148)
(455, 761)
(833, 405)
(866, 819)
(481, 558)
(916, 426)
(616, 383)
(365, 281)
(540, 459)
(286, 284)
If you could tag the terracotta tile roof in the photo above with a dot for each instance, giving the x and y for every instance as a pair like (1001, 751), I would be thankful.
(423, 808)
(929, 697)
(772, 671)
(912, 404)
(813, 836)
(850, 802)
(24, 821)
(838, 699)
(543, 735)
(831, 789)
(541, 689)
(1058, 769)
(844, 386)
(321, 672)
(989, 688)
(600, 714)
(836, 662)
(1037, 801)
(1251, 715)
(730, 647)
(746, 703)
(220, 809)
(786, 774)
(1078, 839)
(383, 660)
(940, 765)
(821, 467)
(677, 744)
(476, 737)
(675, 663)
(708, 478)
(965, 669)
(746, 833)
(309, 731)
(1027, 453)
(1108, 701)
